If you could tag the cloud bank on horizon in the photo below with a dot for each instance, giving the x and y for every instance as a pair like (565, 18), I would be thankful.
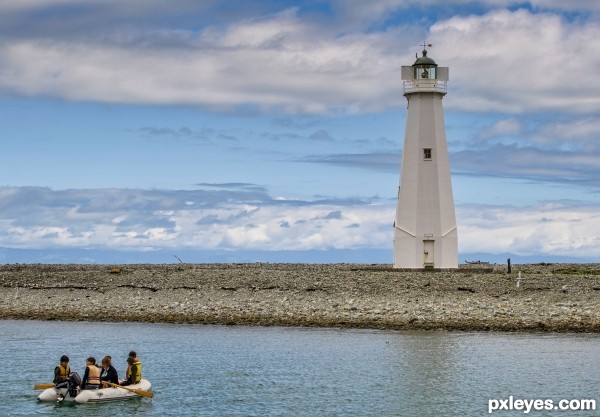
(146, 125)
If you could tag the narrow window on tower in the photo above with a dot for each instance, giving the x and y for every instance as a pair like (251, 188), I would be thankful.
(427, 154)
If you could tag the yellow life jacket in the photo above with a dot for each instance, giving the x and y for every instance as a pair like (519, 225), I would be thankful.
(138, 375)
(93, 375)
(64, 372)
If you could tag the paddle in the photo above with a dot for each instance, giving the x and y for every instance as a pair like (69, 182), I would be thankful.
(43, 386)
(136, 391)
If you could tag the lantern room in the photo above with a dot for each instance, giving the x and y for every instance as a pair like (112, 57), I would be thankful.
(424, 67)
(424, 76)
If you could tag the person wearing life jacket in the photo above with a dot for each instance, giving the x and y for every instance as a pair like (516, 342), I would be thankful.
(91, 377)
(62, 373)
(133, 355)
(134, 371)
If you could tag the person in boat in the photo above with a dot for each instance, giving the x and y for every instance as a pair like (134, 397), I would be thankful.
(62, 373)
(91, 377)
(133, 355)
(134, 371)
(108, 372)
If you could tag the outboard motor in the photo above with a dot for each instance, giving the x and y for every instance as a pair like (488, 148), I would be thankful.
(74, 383)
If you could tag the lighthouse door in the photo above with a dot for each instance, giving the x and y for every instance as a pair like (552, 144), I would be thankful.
(428, 254)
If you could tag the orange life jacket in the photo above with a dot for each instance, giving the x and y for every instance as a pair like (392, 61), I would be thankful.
(64, 372)
(93, 375)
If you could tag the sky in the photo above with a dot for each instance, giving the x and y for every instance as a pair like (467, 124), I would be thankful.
(264, 130)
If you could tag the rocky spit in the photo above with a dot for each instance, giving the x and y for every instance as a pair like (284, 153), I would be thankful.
(542, 297)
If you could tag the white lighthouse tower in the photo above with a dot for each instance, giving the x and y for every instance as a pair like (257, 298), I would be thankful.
(425, 225)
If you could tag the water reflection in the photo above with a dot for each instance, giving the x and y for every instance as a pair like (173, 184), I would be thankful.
(425, 368)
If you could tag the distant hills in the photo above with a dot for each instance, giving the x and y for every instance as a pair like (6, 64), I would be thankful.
(361, 256)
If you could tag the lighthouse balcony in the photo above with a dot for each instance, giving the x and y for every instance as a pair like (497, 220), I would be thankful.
(425, 86)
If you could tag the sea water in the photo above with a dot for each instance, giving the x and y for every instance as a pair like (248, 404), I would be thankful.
(201, 370)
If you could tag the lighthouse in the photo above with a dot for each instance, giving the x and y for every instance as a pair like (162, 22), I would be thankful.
(425, 233)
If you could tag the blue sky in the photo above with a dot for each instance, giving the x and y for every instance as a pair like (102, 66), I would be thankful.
(255, 130)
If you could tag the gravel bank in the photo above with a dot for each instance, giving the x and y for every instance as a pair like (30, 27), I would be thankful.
(555, 297)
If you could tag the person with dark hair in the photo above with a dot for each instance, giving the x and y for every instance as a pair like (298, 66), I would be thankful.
(134, 371)
(62, 373)
(109, 373)
(91, 377)
(133, 355)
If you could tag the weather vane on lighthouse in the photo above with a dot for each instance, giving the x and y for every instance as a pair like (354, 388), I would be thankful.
(424, 45)
(425, 233)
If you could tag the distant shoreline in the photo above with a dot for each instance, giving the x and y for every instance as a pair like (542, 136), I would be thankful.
(549, 298)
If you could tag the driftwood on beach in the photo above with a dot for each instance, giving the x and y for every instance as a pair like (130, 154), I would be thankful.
(548, 297)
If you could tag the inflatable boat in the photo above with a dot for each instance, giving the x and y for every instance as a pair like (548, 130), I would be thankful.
(113, 393)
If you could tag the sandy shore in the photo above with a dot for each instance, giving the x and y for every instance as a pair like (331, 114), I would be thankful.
(558, 297)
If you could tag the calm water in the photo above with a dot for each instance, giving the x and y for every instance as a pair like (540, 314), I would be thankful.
(253, 371)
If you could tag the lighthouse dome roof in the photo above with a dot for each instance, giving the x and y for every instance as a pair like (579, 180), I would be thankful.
(424, 60)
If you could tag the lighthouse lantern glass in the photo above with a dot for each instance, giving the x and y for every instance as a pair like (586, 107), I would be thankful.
(423, 72)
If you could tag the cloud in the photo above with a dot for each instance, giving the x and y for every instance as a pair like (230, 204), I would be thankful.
(142, 220)
(177, 133)
(283, 61)
(321, 135)
(334, 215)
(578, 134)
(384, 162)
(295, 122)
(242, 186)
(275, 62)
(518, 61)
(226, 216)
(512, 161)
(505, 127)
(560, 228)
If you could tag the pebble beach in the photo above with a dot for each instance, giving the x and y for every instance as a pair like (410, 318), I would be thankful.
(480, 297)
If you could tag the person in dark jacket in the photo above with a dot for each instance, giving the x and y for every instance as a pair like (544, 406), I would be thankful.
(109, 373)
